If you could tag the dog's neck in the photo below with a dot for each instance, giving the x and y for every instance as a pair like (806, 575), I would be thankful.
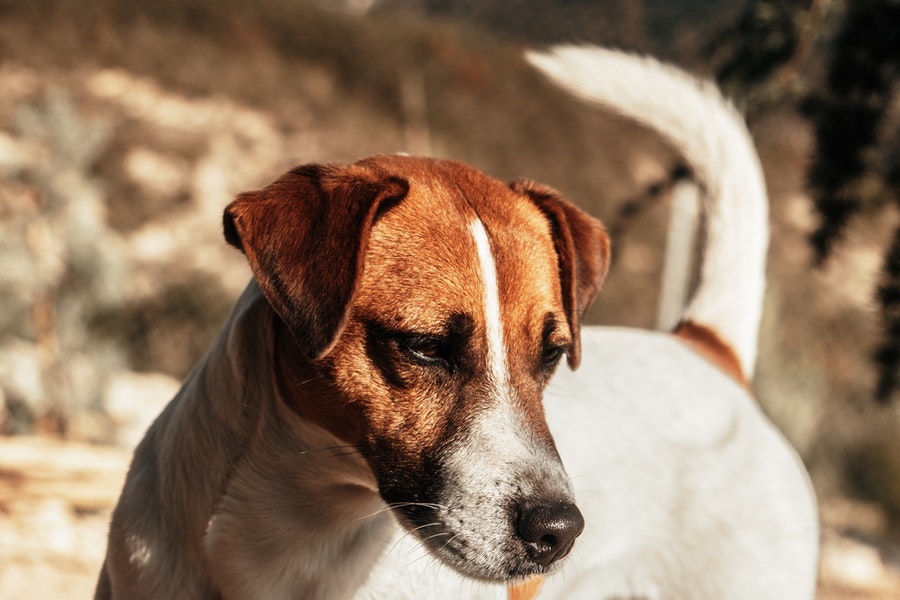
(307, 388)
(293, 475)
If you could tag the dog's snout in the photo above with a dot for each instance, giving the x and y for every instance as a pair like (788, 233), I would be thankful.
(549, 532)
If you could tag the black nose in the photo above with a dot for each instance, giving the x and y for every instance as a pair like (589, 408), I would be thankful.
(549, 532)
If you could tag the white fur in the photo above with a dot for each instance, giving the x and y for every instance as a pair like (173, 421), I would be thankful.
(492, 319)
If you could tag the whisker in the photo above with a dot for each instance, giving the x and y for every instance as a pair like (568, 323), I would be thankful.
(439, 534)
(424, 526)
(424, 554)
(450, 540)
(416, 546)
(393, 505)
(373, 513)
(422, 504)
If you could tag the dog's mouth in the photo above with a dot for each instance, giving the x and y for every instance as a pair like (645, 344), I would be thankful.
(492, 501)
(498, 542)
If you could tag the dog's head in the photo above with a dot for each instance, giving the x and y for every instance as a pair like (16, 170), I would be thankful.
(429, 305)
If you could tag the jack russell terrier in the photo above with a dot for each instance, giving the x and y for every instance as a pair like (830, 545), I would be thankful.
(387, 361)
(688, 491)
(387, 364)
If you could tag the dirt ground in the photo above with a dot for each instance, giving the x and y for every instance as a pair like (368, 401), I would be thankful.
(55, 500)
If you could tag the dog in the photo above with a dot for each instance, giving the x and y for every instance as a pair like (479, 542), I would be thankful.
(688, 491)
(385, 364)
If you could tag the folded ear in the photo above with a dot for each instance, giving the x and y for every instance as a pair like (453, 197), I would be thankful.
(305, 236)
(582, 247)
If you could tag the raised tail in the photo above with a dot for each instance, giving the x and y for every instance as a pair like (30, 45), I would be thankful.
(711, 136)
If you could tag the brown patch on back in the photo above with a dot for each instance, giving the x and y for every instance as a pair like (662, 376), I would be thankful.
(709, 344)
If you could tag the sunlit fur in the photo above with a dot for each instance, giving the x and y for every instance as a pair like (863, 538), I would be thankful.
(407, 390)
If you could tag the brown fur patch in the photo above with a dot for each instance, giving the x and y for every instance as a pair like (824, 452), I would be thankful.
(583, 254)
(709, 344)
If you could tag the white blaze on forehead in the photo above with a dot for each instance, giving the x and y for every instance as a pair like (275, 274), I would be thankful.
(495, 349)
(501, 434)
(498, 465)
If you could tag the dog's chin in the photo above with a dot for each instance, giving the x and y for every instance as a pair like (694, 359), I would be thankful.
(500, 559)
(489, 565)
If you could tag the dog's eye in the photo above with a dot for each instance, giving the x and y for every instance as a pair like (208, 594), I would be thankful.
(426, 350)
(551, 355)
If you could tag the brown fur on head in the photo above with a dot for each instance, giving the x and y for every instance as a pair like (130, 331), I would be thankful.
(377, 271)
(583, 250)
(316, 219)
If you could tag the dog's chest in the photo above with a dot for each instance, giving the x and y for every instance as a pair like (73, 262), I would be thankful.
(297, 521)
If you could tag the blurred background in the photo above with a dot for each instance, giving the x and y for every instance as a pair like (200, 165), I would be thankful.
(125, 128)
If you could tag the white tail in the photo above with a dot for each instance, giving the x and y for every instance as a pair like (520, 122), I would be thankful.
(712, 137)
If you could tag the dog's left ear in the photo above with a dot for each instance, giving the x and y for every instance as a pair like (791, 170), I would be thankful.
(582, 247)
(305, 236)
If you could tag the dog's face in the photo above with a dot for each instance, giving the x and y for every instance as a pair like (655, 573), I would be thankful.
(429, 305)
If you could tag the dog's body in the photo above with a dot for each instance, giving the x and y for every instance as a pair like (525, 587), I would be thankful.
(388, 363)
(687, 490)
(388, 359)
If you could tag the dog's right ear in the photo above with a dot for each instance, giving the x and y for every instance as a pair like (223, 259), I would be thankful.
(582, 247)
(305, 236)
